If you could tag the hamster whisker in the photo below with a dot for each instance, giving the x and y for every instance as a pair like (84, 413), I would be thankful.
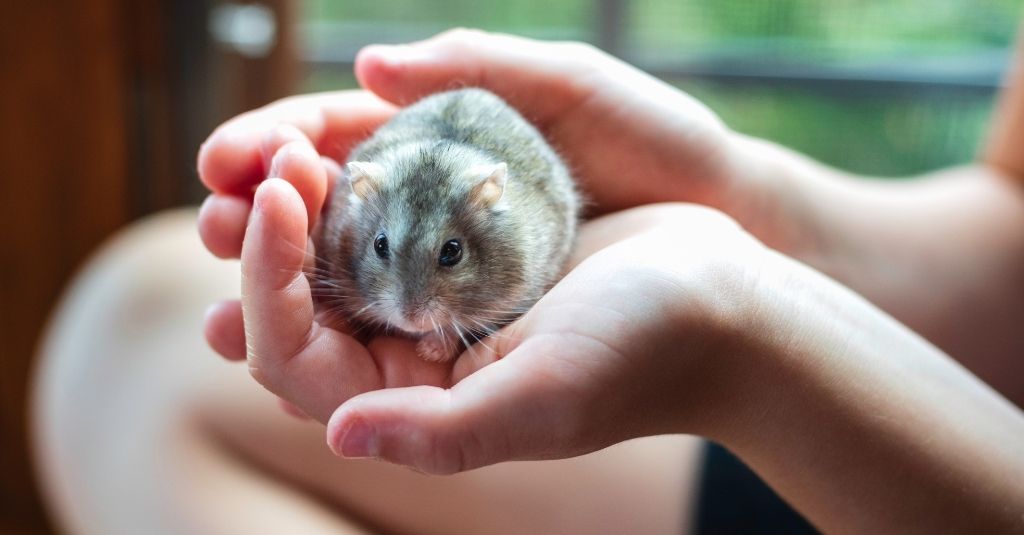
(513, 312)
(331, 315)
(359, 328)
(306, 251)
(325, 277)
(438, 330)
(331, 290)
(315, 269)
(489, 324)
(483, 329)
(323, 280)
(488, 331)
(360, 312)
(458, 331)
(483, 333)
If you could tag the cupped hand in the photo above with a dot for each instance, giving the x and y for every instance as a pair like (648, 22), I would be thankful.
(629, 138)
(300, 140)
(635, 341)
(629, 343)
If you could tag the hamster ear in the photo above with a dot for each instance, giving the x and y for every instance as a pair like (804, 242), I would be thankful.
(364, 178)
(490, 183)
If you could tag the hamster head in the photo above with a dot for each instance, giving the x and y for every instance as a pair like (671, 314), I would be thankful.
(431, 246)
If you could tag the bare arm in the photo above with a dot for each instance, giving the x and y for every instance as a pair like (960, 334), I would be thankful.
(867, 428)
(943, 253)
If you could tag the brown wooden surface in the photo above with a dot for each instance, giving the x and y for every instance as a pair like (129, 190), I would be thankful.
(102, 106)
(63, 190)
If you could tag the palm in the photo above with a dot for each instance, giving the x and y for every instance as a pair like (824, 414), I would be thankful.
(624, 330)
(630, 138)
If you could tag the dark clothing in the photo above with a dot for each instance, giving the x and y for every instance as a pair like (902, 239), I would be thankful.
(734, 500)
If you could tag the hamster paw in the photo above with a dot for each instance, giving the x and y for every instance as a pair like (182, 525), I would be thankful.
(432, 348)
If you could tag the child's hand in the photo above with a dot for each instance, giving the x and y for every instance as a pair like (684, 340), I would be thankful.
(612, 122)
(633, 341)
(638, 339)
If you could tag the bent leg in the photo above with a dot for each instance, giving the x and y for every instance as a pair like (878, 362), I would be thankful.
(140, 428)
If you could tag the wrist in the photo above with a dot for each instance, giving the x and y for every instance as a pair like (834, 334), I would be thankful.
(784, 198)
(721, 330)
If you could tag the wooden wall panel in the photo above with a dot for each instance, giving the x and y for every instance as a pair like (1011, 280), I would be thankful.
(102, 106)
(63, 188)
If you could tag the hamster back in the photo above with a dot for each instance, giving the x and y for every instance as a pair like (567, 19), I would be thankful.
(451, 220)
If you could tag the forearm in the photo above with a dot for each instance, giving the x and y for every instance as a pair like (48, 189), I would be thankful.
(942, 253)
(866, 427)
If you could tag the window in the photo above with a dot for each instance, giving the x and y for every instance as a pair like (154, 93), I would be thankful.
(878, 87)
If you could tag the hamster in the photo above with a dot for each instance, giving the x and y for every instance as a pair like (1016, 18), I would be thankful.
(452, 220)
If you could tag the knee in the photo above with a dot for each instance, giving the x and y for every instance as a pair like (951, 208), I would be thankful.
(121, 351)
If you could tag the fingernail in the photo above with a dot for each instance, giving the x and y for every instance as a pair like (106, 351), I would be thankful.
(359, 440)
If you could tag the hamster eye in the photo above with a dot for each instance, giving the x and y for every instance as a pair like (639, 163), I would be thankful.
(451, 253)
(380, 245)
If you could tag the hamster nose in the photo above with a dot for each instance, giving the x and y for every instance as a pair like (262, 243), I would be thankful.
(416, 321)
(415, 308)
(418, 312)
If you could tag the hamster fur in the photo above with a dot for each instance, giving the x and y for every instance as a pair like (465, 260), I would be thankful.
(451, 220)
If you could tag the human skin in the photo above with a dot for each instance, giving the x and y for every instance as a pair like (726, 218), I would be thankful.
(140, 428)
(862, 383)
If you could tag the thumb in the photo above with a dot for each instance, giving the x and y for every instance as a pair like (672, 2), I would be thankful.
(538, 78)
(496, 414)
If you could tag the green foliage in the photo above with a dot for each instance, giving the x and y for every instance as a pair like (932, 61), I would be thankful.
(894, 133)
(885, 134)
(814, 30)
(516, 16)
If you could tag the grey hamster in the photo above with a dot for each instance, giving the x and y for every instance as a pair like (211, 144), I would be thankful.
(451, 220)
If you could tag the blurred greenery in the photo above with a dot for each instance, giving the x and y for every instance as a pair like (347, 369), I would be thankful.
(834, 30)
(882, 135)
(514, 16)
(887, 132)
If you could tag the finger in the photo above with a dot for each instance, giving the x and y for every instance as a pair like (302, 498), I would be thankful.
(299, 164)
(541, 79)
(400, 365)
(222, 220)
(275, 294)
(231, 161)
(497, 414)
(224, 330)
(289, 353)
